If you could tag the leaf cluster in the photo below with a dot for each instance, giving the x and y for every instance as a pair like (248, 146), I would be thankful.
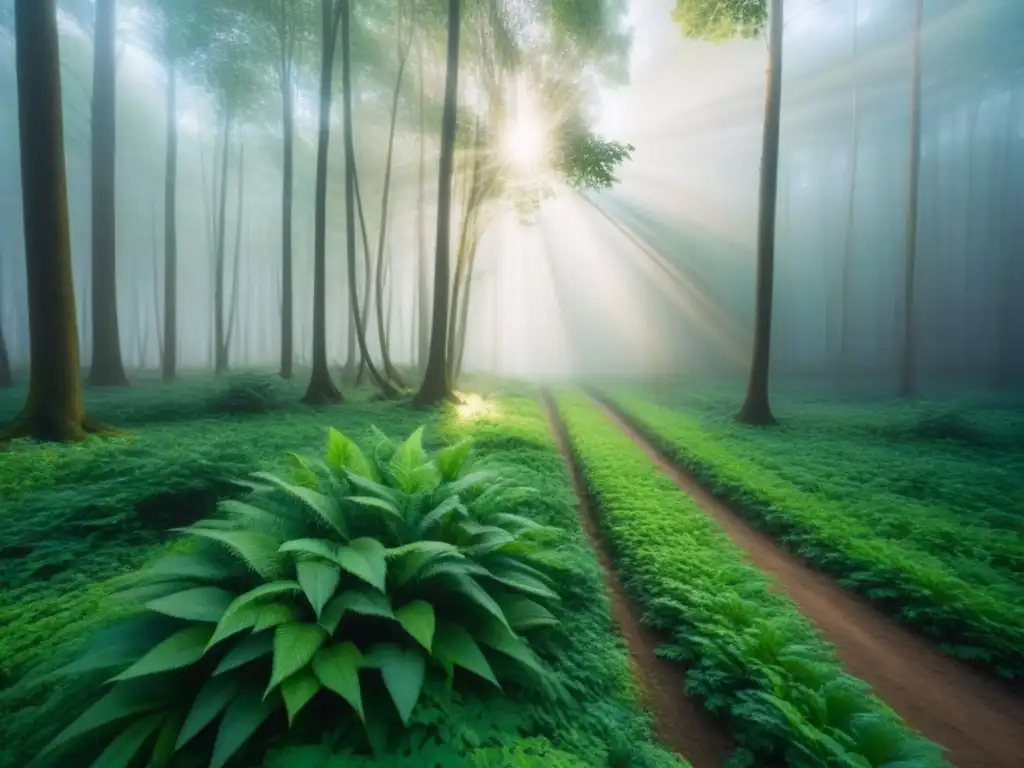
(950, 574)
(750, 653)
(357, 572)
(719, 20)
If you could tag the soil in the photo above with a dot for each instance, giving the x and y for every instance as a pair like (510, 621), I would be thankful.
(976, 718)
(680, 722)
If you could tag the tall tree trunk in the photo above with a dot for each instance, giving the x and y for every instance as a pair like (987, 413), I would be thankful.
(170, 350)
(466, 236)
(422, 273)
(756, 409)
(436, 385)
(6, 379)
(910, 239)
(287, 186)
(389, 369)
(463, 319)
(321, 389)
(54, 409)
(237, 263)
(846, 316)
(351, 202)
(220, 360)
(107, 366)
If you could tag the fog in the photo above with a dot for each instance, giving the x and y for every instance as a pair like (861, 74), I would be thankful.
(654, 277)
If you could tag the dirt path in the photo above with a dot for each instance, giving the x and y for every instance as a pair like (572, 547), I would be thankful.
(978, 720)
(680, 723)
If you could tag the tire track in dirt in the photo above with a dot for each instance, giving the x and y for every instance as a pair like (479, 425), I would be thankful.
(680, 722)
(978, 720)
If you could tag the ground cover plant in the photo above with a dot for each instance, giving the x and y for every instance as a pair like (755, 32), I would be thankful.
(598, 723)
(752, 656)
(916, 507)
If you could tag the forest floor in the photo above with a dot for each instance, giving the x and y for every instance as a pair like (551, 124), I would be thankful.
(706, 621)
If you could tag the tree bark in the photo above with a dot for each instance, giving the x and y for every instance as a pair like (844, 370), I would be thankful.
(220, 358)
(756, 409)
(170, 343)
(107, 366)
(6, 380)
(910, 239)
(422, 273)
(389, 369)
(287, 191)
(436, 386)
(321, 389)
(237, 263)
(54, 409)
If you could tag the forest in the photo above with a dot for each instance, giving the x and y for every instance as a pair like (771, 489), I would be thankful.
(511, 383)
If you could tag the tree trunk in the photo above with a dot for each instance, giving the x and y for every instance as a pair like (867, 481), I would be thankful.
(846, 311)
(288, 165)
(236, 265)
(365, 362)
(466, 236)
(463, 320)
(220, 358)
(910, 240)
(6, 380)
(170, 349)
(436, 386)
(54, 409)
(107, 366)
(423, 276)
(756, 409)
(389, 369)
(321, 388)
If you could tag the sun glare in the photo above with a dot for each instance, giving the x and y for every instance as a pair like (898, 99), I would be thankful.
(524, 141)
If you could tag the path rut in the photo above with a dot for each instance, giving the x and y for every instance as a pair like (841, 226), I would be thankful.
(680, 722)
(978, 720)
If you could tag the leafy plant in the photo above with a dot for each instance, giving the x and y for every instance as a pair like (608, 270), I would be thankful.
(357, 571)
(246, 394)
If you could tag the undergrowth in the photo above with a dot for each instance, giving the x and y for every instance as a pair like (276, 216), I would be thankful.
(910, 507)
(752, 656)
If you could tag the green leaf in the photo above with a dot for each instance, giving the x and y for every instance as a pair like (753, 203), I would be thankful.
(403, 670)
(409, 559)
(408, 456)
(126, 746)
(195, 566)
(453, 645)
(524, 614)
(302, 471)
(469, 587)
(250, 515)
(248, 649)
(384, 505)
(499, 638)
(338, 668)
(354, 562)
(488, 540)
(468, 482)
(324, 507)
(436, 516)
(417, 618)
(271, 615)
(256, 550)
(179, 650)
(424, 478)
(198, 604)
(295, 644)
(317, 547)
(163, 748)
(122, 701)
(343, 454)
(451, 460)
(375, 555)
(297, 691)
(235, 618)
(365, 603)
(245, 714)
(318, 580)
(212, 699)
(522, 582)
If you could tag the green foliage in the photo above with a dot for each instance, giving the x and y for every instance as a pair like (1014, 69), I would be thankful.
(750, 653)
(355, 570)
(588, 161)
(929, 537)
(719, 20)
(245, 394)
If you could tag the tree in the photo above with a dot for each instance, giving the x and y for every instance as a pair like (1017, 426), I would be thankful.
(436, 386)
(321, 389)
(54, 409)
(107, 366)
(5, 362)
(846, 310)
(718, 20)
(910, 238)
